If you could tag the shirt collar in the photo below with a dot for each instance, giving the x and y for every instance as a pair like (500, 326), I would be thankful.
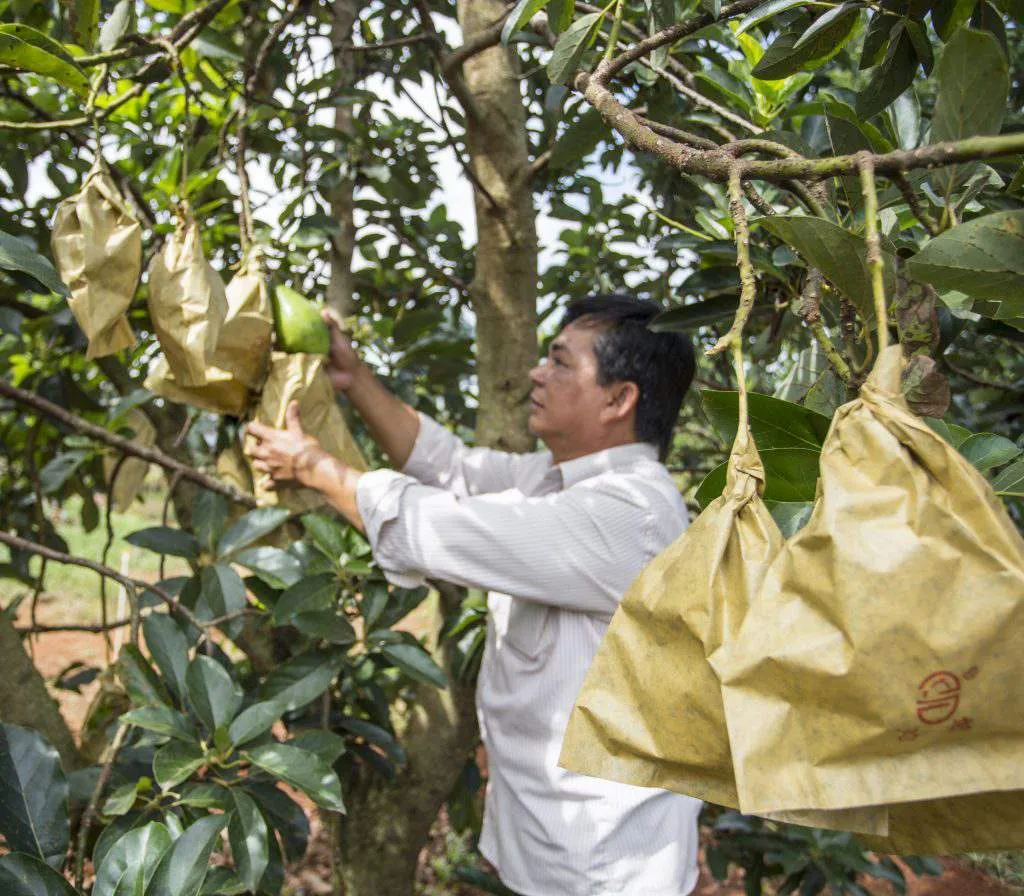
(621, 457)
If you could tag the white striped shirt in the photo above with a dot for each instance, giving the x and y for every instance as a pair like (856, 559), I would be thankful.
(556, 546)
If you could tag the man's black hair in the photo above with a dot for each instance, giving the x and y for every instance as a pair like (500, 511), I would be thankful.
(661, 364)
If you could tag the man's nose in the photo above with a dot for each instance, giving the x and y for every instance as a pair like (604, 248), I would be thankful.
(537, 374)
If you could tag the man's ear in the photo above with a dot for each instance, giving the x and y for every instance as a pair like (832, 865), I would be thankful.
(621, 401)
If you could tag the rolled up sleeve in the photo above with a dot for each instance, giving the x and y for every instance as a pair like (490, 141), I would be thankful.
(577, 549)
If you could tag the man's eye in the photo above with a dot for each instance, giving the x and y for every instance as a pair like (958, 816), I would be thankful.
(558, 362)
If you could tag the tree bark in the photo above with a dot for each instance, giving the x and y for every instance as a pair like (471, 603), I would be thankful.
(25, 701)
(504, 286)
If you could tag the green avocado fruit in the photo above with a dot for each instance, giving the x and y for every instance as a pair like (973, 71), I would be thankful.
(300, 328)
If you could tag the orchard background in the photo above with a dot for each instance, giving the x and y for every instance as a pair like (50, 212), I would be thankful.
(447, 176)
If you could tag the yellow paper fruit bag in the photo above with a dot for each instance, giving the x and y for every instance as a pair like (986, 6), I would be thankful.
(187, 303)
(295, 377)
(650, 711)
(97, 245)
(242, 354)
(131, 471)
(881, 663)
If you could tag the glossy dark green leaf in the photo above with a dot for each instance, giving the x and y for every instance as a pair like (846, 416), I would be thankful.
(790, 516)
(33, 795)
(806, 50)
(209, 517)
(276, 567)
(25, 875)
(973, 81)
(176, 762)
(891, 77)
(764, 12)
(328, 534)
(165, 540)
(16, 255)
(248, 835)
(948, 15)
(376, 735)
(139, 680)
(211, 693)
(560, 14)
(983, 258)
(184, 866)
(880, 32)
(791, 475)
(221, 593)
(1010, 482)
(27, 57)
(302, 769)
(168, 646)
(565, 58)
(310, 593)
(301, 680)
(700, 314)
(121, 800)
(206, 796)
(839, 254)
(253, 526)
(326, 625)
(326, 744)
(773, 422)
(131, 862)
(285, 815)
(415, 662)
(253, 721)
(162, 720)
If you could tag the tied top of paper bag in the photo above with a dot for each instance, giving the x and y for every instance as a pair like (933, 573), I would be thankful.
(187, 303)
(881, 662)
(97, 245)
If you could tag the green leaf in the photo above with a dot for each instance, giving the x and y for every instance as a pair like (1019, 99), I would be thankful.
(560, 14)
(304, 770)
(790, 516)
(311, 593)
(700, 314)
(905, 118)
(948, 15)
(116, 25)
(211, 693)
(327, 534)
(712, 7)
(206, 796)
(276, 567)
(764, 12)
(129, 865)
(121, 800)
(973, 81)
(326, 624)
(881, 30)
(774, 423)
(165, 540)
(253, 721)
(139, 680)
(1010, 481)
(223, 881)
(415, 662)
(301, 680)
(375, 734)
(176, 762)
(799, 50)
(987, 450)
(221, 592)
(86, 16)
(565, 58)
(521, 14)
(15, 255)
(249, 528)
(162, 720)
(791, 475)
(26, 57)
(184, 866)
(208, 518)
(58, 471)
(983, 258)
(169, 648)
(891, 77)
(38, 39)
(248, 834)
(33, 796)
(840, 255)
(955, 435)
(326, 744)
(24, 875)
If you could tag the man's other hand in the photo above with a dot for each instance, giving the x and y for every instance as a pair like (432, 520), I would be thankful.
(285, 453)
(342, 360)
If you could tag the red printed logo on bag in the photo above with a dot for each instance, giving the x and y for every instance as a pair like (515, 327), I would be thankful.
(938, 697)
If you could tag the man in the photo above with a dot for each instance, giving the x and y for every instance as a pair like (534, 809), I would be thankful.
(556, 537)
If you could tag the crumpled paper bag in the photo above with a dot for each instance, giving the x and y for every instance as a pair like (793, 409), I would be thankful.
(650, 711)
(187, 303)
(132, 472)
(881, 663)
(97, 245)
(300, 377)
(243, 349)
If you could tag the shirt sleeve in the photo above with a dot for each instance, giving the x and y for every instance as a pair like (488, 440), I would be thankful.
(577, 549)
(440, 458)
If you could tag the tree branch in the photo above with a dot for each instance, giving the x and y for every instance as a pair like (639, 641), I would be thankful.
(153, 455)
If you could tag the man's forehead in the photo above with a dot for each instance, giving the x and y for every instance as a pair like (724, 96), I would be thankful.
(574, 339)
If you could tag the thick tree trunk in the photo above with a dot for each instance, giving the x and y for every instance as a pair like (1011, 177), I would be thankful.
(25, 701)
(504, 287)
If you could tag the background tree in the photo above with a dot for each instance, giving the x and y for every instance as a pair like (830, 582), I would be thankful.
(653, 145)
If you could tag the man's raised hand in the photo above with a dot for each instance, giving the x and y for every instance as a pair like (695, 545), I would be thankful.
(342, 360)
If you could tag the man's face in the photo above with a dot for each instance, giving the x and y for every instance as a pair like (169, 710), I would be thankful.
(566, 401)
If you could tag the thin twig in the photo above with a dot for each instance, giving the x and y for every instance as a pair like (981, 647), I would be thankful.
(876, 264)
(748, 285)
(101, 628)
(810, 311)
